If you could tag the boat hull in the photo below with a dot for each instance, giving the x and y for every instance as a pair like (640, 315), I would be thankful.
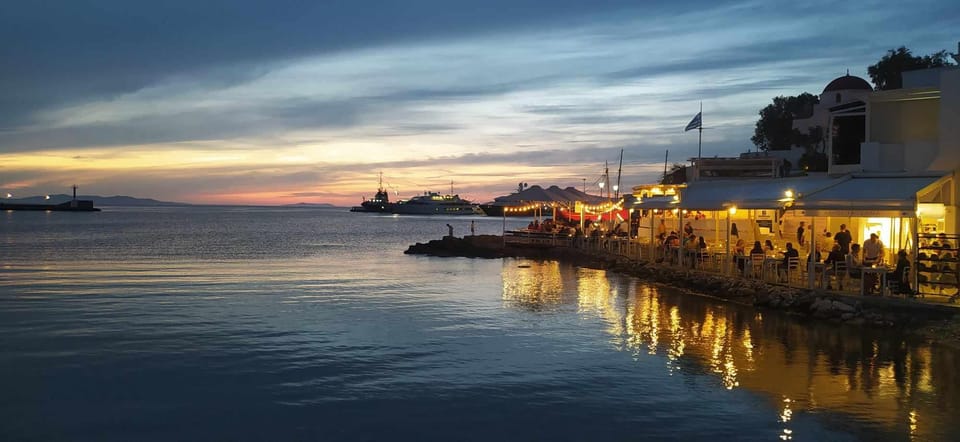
(431, 209)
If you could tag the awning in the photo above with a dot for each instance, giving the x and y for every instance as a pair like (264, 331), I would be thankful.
(891, 195)
(553, 194)
(665, 202)
(769, 193)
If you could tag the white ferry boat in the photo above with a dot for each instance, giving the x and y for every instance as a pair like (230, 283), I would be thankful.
(432, 203)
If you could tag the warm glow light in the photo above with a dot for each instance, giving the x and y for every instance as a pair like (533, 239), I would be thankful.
(732, 210)
(616, 187)
(9, 195)
(788, 193)
(46, 197)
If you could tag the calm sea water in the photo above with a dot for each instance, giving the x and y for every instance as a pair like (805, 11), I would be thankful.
(311, 324)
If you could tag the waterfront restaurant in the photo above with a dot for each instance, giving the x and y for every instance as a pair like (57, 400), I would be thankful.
(902, 209)
(893, 165)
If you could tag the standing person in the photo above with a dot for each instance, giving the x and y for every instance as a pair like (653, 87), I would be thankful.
(872, 250)
(662, 229)
(800, 232)
(734, 231)
(450, 229)
(844, 238)
(473, 228)
(872, 254)
(688, 229)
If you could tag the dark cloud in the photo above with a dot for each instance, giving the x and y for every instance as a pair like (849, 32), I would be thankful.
(62, 51)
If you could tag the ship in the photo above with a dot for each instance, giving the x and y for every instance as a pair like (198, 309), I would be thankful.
(380, 202)
(74, 205)
(432, 203)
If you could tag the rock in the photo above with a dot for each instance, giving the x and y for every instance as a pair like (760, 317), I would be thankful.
(842, 307)
(846, 316)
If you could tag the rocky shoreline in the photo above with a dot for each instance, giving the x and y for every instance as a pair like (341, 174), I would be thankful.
(938, 323)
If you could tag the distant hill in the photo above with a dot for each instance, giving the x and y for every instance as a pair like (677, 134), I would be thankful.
(98, 201)
(309, 205)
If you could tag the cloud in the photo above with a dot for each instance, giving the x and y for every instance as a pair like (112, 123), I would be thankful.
(313, 98)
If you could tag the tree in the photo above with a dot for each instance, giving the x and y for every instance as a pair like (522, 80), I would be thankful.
(887, 73)
(774, 130)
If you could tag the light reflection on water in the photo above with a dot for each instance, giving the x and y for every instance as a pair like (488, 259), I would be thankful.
(882, 381)
(116, 327)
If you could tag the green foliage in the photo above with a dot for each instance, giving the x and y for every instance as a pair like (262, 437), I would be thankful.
(774, 130)
(887, 73)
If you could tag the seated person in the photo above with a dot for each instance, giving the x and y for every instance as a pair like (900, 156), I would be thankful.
(834, 257)
(785, 266)
(854, 261)
(740, 248)
(768, 248)
(901, 275)
(757, 249)
(942, 239)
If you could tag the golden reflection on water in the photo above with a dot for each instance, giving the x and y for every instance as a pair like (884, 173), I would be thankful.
(532, 284)
(886, 382)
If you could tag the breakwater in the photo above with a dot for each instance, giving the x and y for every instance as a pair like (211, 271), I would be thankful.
(808, 303)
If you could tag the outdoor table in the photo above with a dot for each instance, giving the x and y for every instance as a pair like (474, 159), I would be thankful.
(881, 273)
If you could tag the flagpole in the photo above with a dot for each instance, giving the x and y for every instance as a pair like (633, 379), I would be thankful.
(700, 137)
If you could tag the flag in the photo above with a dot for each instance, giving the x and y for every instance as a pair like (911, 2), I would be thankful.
(694, 123)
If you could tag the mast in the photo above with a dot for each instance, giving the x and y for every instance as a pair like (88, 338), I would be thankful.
(380, 182)
(616, 193)
(606, 177)
(665, 156)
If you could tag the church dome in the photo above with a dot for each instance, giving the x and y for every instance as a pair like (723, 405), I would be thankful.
(847, 82)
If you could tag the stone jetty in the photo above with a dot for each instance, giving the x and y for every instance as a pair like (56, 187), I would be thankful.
(802, 302)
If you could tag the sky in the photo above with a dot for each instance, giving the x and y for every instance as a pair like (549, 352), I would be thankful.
(288, 101)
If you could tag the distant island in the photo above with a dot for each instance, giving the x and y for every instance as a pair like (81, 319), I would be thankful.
(118, 200)
(309, 205)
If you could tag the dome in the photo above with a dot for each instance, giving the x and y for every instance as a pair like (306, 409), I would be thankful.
(847, 82)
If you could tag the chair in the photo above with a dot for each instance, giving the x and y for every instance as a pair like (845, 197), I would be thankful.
(793, 269)
(895, 285)
(839, 273)
(756, 264)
